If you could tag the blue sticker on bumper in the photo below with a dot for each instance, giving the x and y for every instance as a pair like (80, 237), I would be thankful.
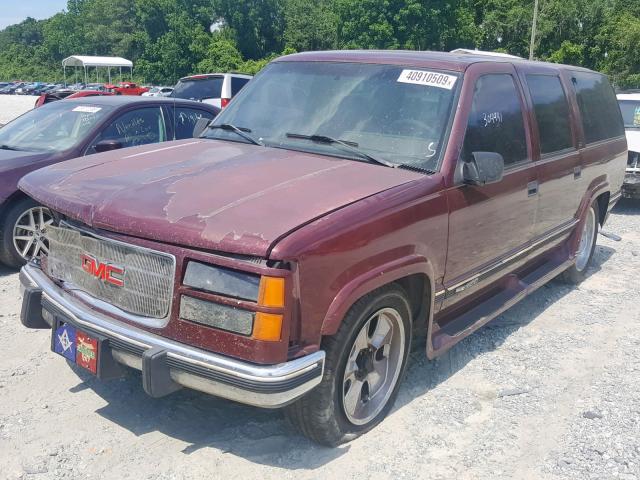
(64, 342)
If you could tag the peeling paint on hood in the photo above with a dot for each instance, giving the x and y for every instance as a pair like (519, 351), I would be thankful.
(208, 194)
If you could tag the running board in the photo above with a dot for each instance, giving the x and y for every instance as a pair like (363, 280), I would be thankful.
(610, 236)
(518, 288)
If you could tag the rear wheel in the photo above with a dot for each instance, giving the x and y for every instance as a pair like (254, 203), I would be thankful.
(584, 256)
(22, 234)
(366, 360)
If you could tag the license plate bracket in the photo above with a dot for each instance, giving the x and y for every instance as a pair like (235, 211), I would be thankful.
(86, 349)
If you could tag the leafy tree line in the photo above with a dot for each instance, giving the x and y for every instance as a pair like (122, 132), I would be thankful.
(167, 39)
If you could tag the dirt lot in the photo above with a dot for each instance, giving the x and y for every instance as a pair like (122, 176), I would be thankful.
(13, 105)
(547, 391)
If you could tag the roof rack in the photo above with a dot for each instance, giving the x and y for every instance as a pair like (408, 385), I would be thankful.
(467, 51)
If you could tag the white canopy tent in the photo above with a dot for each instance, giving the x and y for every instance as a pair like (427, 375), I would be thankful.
(86, 62)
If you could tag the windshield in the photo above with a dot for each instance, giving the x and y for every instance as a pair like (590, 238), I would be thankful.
(630, 113)
(198, 89)
(54, 127)
(393, 113)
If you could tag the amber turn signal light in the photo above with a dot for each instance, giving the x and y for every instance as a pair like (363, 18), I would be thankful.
(271, 292)
(267, 327)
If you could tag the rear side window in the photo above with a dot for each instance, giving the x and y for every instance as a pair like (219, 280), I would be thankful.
(186, 119)
(236, 85)
(552, 113)
(198, 89)
(601, 118)
(495, 121)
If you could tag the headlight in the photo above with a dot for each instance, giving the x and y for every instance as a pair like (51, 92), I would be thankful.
(223, 281)
(266, 291)
(216, 315)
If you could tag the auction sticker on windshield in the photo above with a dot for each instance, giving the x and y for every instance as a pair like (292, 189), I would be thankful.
(428, 79)
(87, 109)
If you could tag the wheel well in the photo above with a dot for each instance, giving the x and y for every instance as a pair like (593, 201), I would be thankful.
(6, 205)
(418, 290)
(603, 205)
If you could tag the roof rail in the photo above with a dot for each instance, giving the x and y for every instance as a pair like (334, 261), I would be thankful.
(467, 51)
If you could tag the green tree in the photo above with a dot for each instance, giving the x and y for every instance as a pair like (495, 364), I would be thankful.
(310, 25)
(258, 25)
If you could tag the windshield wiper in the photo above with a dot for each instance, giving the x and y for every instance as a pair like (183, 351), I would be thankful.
(350, 146)
(239, 130)
(7, 147)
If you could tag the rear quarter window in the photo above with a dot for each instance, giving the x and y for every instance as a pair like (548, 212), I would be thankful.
(552, 113)
(236, 84)
(599, 111)
(186, 120)
(198, 89)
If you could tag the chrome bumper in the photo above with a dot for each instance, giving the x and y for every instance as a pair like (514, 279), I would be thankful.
(166, 364)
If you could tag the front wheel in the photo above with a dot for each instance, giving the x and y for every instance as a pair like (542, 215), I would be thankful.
(584, 256)
(22, 233)
(365, 362)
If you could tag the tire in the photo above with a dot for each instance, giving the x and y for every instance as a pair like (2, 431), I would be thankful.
(584, 257)
(9, 254)
(322, 414)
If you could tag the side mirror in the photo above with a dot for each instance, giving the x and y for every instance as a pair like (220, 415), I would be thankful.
(201, 125)
(107, 145)
(483, 169)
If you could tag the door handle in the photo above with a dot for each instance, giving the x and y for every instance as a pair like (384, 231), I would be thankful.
(577, 172)
(532, 189)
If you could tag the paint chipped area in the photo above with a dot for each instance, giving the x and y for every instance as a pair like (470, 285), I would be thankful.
(207, 194)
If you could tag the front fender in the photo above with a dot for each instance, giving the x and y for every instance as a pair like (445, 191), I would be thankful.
(371, 280)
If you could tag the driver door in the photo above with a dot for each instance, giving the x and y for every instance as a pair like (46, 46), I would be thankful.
(490, 224)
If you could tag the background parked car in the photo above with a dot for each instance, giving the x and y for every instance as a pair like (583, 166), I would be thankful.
(214, 88)
(158, 92)
(11, 88)
(100, 87)
(53, 96)
(74, 128)
(127, 88)
(630, 106)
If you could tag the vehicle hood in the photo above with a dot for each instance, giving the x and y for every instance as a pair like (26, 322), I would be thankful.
(633, 139)
(216, 195)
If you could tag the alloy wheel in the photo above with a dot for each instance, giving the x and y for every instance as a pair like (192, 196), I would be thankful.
(586, 241)
(29, 232)
(373, 366)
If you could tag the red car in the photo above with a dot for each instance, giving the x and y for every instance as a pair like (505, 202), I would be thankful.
(343, 204)
(52, 97)
(126, 88)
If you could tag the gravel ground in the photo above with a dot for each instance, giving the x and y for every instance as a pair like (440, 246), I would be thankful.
(13, 105)
(547, 391)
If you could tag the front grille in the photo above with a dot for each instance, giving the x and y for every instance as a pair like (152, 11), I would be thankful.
(147, 280)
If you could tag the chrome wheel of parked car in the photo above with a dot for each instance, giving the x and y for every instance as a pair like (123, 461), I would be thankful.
(587, 240)
(373, 366)
(365, 362)
(577, 272)
(29, 232)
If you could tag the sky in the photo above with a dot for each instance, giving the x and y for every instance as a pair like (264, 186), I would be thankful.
(12, 11)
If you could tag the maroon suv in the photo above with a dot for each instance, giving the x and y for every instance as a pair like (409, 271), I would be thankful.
(343, 204)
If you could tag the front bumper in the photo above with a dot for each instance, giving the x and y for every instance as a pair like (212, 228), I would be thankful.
(167, 365)
(631, 186)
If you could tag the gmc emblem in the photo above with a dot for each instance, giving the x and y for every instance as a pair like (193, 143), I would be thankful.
(104, 271)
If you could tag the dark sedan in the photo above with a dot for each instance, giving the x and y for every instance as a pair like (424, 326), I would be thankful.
(74, 128)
